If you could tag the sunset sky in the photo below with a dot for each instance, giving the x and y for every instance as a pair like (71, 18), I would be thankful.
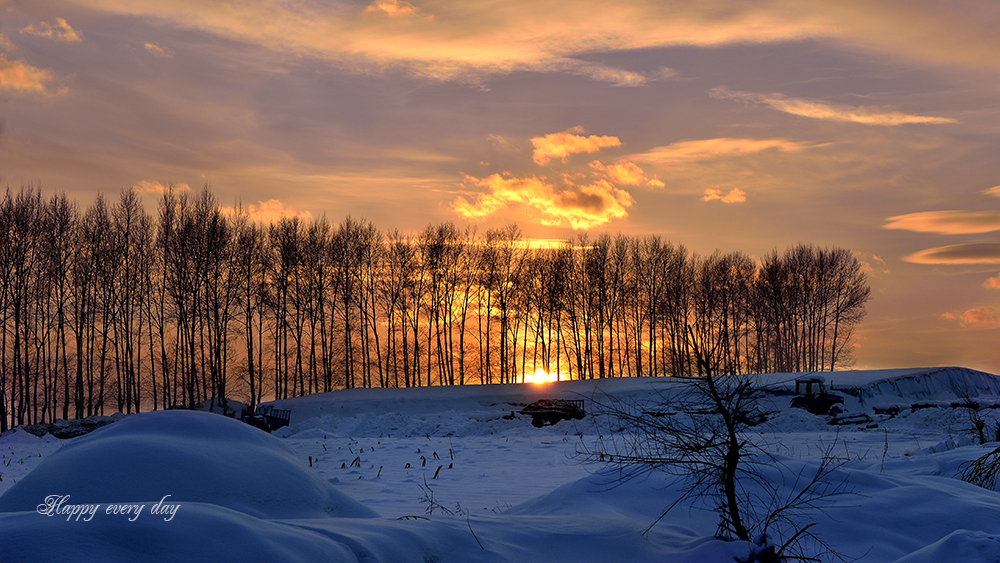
(732, 125)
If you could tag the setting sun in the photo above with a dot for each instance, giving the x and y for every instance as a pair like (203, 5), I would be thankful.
(542, 376)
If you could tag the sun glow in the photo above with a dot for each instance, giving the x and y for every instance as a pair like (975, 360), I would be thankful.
(542, 376)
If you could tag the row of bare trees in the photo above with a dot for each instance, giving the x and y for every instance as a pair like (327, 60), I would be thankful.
(112, 308)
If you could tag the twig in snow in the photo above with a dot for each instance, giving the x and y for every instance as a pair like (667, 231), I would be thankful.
(468, 520)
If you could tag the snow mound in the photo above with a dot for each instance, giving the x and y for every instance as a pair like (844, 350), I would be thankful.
(960, 545)
(191, 456)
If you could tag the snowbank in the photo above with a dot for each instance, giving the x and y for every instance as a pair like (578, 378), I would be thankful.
(953, 383)
(191, 456)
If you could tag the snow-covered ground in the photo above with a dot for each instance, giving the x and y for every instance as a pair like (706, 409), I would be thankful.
(449, 474)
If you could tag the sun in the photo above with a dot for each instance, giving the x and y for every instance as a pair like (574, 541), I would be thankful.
(542, 376)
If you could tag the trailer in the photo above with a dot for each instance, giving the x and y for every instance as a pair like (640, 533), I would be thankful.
(267, 418)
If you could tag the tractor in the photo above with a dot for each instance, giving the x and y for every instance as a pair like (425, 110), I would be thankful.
(811, 395)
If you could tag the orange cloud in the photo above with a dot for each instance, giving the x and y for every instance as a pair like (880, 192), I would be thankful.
(603, 73)
(562, 145)
(626, 173)
(149, 187)
(735, 195)
(392, 8)
(569, 204)
(59, 31)
(869, 265)
(992, 283)
(158, 51)
(688, 151)
(973, 253)
(473, 39)
(947, 222)
(994, 191)
(986, 317)
(21, 78)
(268, 211)
(819, 110)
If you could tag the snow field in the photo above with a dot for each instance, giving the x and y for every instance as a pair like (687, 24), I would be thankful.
(516, 493)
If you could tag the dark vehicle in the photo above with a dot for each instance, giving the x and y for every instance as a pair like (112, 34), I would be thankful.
(551, 411)
(812, 396)
(267, 418)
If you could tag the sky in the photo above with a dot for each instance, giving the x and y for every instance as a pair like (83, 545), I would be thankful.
(732, 125)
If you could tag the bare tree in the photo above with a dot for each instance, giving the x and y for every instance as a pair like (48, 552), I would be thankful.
(132, 243)
(64, 217)
(397, 269)
(250, 268)
(702, 433)
(283, 238)
(508, 258)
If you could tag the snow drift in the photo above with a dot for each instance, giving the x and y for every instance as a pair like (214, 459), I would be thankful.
(191, 456)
